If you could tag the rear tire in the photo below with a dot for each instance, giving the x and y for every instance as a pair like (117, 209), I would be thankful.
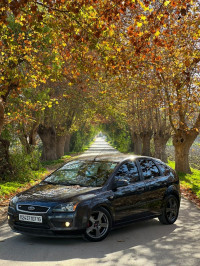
(99, 225)
(170, 210)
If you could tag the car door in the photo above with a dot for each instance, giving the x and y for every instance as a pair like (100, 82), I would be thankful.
(155, 185)
(127, 202)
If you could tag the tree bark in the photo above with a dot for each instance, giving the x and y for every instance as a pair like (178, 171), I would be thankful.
(1, 115)
(137, 143)
(60, 146)
(182, 141)
(48, 137)
(3, 99)
(146, 140)
(33, 134)
(67, 143)
(25, 144)
(5, 167)
(160, 141)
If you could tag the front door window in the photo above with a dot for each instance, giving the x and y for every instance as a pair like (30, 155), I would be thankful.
(129, 172)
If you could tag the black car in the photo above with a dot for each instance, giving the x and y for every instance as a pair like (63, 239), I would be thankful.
(89, 197)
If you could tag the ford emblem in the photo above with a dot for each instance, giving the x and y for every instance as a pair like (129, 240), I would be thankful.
(31, 208)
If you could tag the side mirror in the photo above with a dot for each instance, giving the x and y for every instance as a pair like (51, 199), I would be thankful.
(120, 183)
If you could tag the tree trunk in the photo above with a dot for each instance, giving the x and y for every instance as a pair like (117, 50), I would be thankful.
(67, 143)
(33, 134)
(1, 115)
(160, 141)
(5, 167)
(182, 141)
(25, 144)
(137, 143)
(60, 145)
(23, 137)
(48, 137)
(146, 140)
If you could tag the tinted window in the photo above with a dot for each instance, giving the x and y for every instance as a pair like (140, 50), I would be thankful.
(129, 172)
(149, 169)
(165, 169)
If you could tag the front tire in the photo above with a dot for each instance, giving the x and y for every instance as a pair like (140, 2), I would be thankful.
(170, 211)
(99, 225)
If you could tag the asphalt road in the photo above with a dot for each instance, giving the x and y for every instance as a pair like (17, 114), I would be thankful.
(144, 243)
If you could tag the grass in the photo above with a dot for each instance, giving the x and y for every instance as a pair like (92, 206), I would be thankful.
(9, 188)
(31, 177)
(55, 162)
(191, 181)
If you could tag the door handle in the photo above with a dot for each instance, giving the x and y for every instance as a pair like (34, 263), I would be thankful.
(140, 189)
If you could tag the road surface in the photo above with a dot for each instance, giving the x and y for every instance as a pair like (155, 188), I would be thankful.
(144, 243)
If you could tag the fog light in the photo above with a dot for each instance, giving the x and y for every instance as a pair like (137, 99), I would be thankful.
(8, 217)
(67, 224)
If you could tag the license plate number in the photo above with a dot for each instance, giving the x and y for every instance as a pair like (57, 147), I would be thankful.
(30, 218)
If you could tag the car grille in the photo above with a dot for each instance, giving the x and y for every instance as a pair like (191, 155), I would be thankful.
(31, 225)
(36, 231)
(32, 208)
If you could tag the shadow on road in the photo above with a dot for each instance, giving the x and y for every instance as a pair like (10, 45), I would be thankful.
(25, 248)
(142, 243)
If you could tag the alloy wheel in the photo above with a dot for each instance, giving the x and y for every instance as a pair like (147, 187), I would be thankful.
(171, 209)
(98, 225)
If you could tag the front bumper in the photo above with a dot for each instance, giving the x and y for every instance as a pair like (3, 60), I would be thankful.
(53, 224)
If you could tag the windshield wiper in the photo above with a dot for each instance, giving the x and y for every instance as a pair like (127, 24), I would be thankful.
(49, 182)
(64, 184)
(71, 184)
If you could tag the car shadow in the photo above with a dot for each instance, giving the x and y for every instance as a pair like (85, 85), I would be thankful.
(33, 249)
(141, 243)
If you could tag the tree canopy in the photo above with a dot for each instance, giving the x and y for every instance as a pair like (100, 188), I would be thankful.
(65, 64)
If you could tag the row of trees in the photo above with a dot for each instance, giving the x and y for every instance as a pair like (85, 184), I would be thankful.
(67, 64)
(159, 78)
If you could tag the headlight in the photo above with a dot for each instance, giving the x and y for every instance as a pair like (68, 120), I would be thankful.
(13, 202)
(66, 207)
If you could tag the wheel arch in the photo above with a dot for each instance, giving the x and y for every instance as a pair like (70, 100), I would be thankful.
(171, 190)
(106, 207)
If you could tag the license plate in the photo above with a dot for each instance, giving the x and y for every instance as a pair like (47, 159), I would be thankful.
(30, 218)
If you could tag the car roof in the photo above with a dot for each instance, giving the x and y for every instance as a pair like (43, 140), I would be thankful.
(119, 157)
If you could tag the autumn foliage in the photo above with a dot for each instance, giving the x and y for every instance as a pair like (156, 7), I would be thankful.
(65, 63)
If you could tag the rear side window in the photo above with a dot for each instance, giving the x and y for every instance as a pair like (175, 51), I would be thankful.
(129, 172)
(149, 169)
(165, 169)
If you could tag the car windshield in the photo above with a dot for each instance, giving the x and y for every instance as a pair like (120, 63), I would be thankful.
(82, 173)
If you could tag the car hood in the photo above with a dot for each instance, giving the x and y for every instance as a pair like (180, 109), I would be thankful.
(48, 192)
